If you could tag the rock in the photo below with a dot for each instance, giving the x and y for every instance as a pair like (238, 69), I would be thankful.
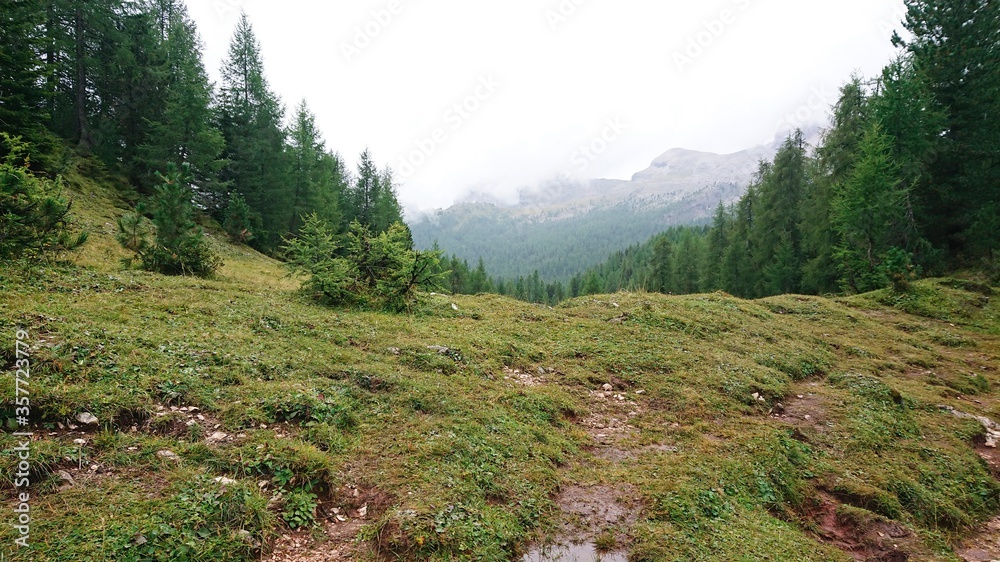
(807, 417)
(217, 436)
(541, 370)
(363, 512)
(640, 392)
(66, 479)
(86, 418)
(80, 441)
(165, 454)
(454, 307)
(395, 351)
(439, 348)
(224, 481)
(607, 388)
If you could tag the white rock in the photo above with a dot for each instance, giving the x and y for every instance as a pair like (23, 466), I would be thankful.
(80, 441)
(165, 454)
(87, 418)
(224, 481)
(218, 436)
(607, 388)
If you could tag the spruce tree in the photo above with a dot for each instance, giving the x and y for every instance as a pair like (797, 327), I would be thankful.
(869, 214)
(249, 116)
(21, 72)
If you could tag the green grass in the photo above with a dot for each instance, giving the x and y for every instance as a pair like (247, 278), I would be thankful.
(456, 460)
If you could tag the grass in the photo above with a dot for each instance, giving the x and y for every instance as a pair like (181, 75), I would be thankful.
(455, 459)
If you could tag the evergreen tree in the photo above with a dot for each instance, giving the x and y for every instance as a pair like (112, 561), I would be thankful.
(869, 214)
(249, 116)
(317, 184)
(662, 277)
(34, 215)
(184, 131)
(21, 71)
(180, 246)
(778, 210)
(955, 48)
(834, 163)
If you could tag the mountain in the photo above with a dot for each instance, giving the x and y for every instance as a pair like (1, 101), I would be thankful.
(561, 227)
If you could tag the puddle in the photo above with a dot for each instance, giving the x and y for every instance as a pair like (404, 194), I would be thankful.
(573, 553)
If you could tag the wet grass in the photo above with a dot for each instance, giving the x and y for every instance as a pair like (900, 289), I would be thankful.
(453, 458)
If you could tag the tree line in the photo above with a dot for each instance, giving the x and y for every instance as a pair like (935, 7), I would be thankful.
(124, 82)
(905, 181)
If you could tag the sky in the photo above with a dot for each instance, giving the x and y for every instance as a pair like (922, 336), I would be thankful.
(469, 95)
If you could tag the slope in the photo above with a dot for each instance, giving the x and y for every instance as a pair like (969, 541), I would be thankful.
(671, 428)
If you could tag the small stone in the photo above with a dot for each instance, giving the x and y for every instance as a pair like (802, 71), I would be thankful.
(133, 448)
(218, 436)
(224, 481)
(808, 417)
(341, 518)
(201, 417)
(190, 423)
(607, 388)
(454, 307)
(66, 477)
(165, 454)
(640, 392)
(80, 441)
(801, 397)
(363, 512)
(541, 370)
(86, 418)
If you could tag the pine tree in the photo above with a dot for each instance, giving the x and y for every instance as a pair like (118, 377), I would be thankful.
(315, 174)
(778, 210)
(955, 48)
(869, 214)
(662, 276)
(249, 116)
(184, 131)
(34, 215)
(834, 163)
(22, 108)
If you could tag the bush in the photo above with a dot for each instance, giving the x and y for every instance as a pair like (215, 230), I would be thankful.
(180, 247)
(379, 271)
(34, 216)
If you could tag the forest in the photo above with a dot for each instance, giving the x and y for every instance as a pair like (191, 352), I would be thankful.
(123, 84)
(905, 182)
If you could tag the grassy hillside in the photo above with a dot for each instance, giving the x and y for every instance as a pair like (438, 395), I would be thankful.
(668, 428)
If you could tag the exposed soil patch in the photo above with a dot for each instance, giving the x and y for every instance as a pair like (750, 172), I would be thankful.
(876, 540)
(521, 378)
(984, 546)
(805, 410)
(609, 424)
(336, 543)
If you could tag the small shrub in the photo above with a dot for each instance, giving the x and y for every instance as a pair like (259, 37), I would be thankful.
(34, 216)
(300, 509)
(179, 246)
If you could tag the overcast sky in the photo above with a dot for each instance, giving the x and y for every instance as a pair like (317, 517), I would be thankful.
(460, 95)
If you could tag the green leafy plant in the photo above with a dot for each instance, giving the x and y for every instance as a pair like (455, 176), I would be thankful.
(300, 509)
